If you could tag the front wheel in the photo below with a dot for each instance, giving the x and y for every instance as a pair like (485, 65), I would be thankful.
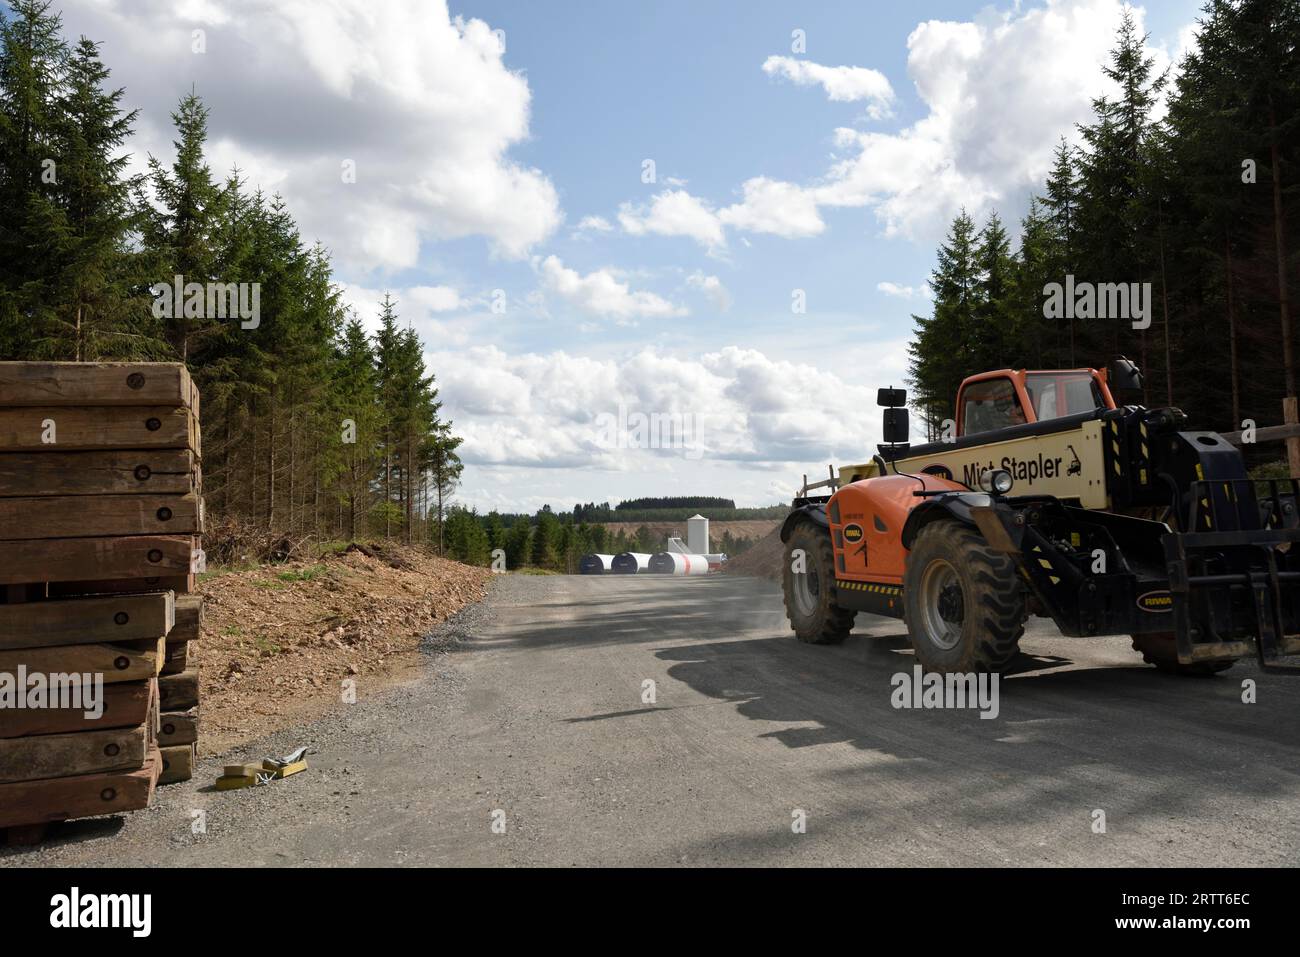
(808, 583)
(963, 602)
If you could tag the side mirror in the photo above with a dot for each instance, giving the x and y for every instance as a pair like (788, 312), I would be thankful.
(1124, 376)
(895, 422)
(891, 398)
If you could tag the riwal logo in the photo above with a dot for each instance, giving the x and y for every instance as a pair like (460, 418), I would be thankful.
(1156, 601)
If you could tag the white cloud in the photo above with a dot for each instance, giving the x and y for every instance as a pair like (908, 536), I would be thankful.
(899, 291)
(602, 293)
(999, 92)
(712, 288)
(674, 212)
(843, 84)
(544, 410)
(423, 307)
(423, 105)
(771, 206)
(597, 224)
(435, 298)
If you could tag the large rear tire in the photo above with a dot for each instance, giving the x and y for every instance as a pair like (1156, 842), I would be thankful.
(963, 601)
(808, 582)
(1159, 649)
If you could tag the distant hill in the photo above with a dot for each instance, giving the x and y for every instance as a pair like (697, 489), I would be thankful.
(682, 514)
(696, 502)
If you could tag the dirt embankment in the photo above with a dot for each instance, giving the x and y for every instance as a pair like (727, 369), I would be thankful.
(762, 560)
(278, 640)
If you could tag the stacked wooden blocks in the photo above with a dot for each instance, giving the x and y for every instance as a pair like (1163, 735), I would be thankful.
(101, 510)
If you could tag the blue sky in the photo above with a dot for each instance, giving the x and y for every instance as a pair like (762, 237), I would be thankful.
(832, 171)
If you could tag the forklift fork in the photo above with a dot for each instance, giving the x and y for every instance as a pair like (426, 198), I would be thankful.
(1235, 586)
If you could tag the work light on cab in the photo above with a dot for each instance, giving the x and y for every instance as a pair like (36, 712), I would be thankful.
(996, 481)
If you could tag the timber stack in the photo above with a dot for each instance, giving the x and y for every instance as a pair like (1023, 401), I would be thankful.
(101, 513)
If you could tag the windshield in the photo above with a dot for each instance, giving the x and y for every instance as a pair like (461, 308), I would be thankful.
(1055, 394)
(990, 404)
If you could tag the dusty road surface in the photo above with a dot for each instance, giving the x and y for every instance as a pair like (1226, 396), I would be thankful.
(538, 714)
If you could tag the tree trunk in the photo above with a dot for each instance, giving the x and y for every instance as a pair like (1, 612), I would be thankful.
(270, 467)
(1279, 238)
(1164, 305)
(1234, 373)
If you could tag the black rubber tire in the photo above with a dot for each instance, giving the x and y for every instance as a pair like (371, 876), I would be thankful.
(824, 623)
(1158, 648)
(993, 601)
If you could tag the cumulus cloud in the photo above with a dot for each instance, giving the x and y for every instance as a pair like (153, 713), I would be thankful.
(900, 291)
(674, 212)
(598, 224)
(602, 293)
(550, 410)
(771, 206)
(435, 298)
(420, 109)
(843, 84)
(438, 313)
(712, 288)
(998, 93)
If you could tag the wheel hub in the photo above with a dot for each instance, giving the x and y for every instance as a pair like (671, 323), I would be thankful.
(942, 605)
(806, 588)
(950, 603)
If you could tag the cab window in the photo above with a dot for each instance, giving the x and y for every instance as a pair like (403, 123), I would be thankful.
(990, 404)
(1056, 395)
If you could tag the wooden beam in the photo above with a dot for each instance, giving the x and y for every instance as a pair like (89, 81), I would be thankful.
(78, 559)
(179, 692)
(179, 584)
(1291, 417)
(189, 619)
(165, 472)
(82, 517)
(181, 657)
(179, 727)
(78, 621)
(178, 763)
(1269, 433)
(97, 428)
(95, 383)
(63, 755)
(135, 661)
(60, 799)
(126, 705)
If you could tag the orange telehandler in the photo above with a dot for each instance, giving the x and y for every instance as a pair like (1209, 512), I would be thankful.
(1049, 498)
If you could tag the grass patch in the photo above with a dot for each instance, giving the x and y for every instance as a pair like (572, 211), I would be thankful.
(1271, 470)
(309, 574)
(265, 645)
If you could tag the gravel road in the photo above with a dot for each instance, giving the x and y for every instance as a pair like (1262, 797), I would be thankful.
(531, 705)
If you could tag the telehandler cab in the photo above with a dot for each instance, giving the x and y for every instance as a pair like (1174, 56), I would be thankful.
(1052, 499)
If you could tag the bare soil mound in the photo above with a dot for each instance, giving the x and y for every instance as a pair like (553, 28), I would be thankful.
(278, 640)
(762, 560)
